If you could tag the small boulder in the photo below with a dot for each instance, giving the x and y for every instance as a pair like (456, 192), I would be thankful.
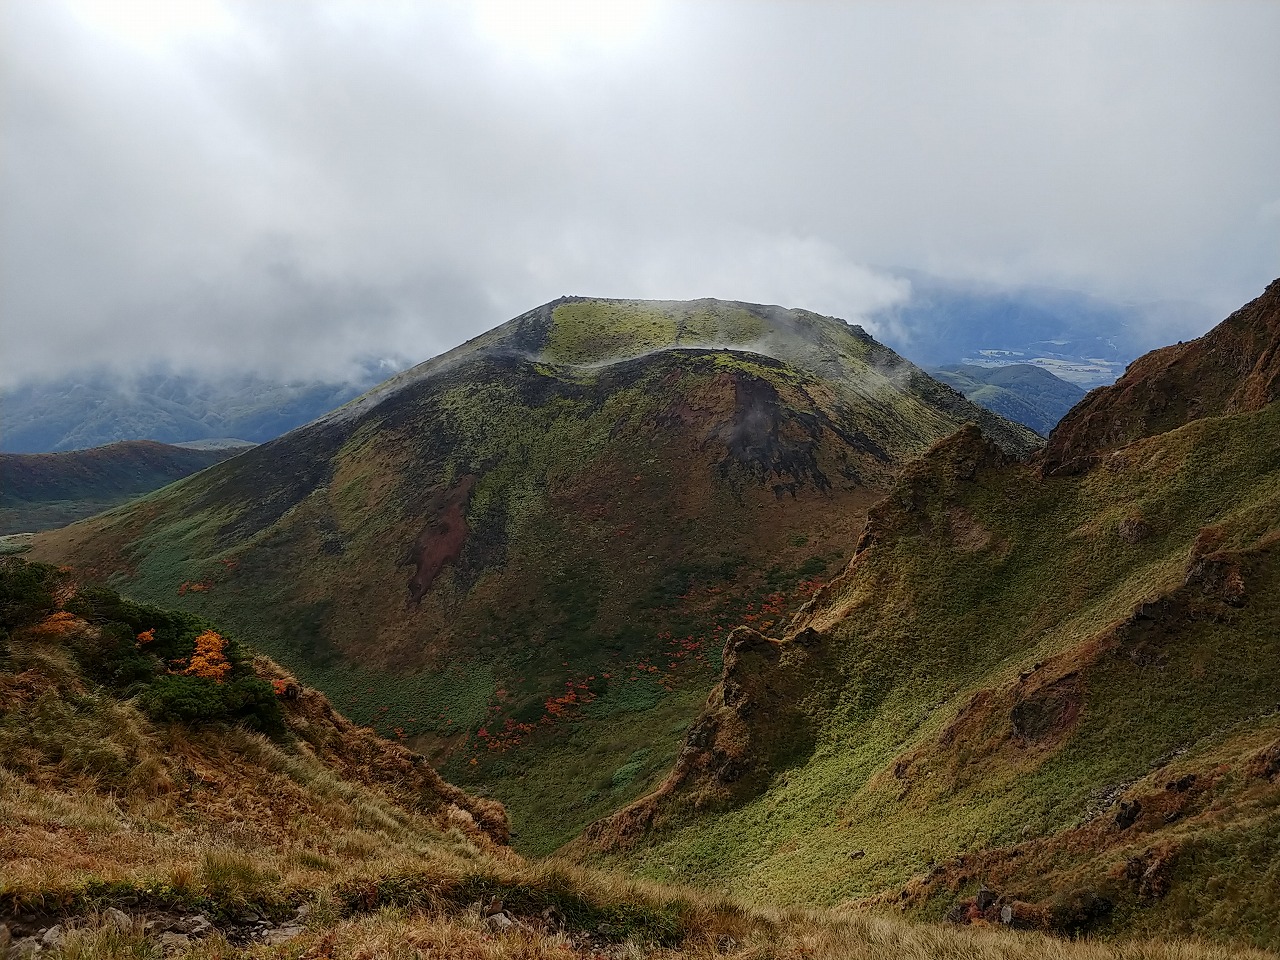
(117, 918)
(1130, 810)
(171, 941)
(499, 922)
(54, 936)
(283, 934)
(196, 925)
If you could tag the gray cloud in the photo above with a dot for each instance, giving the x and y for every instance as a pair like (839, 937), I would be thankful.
(284, 186)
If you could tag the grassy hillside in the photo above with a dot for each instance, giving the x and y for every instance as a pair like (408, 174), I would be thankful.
(1063, 686)
(40, 491)
(521, 557)
(1022, 392)
(131, 833)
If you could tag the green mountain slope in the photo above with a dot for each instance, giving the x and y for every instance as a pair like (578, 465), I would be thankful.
(1022, 392)
(40, 491)
(522, 557)
(1064, 684)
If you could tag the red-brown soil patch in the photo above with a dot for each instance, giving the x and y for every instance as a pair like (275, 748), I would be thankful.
(442, 538)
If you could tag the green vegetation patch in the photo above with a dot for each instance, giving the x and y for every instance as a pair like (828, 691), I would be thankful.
(595, 331)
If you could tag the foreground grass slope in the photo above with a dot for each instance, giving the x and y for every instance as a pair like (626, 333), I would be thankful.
(522, 557)
(310, 837)
(1064, 684)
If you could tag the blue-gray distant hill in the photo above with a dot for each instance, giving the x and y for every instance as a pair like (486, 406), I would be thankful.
(1081, 338)
(89, 410)
(1023, 392)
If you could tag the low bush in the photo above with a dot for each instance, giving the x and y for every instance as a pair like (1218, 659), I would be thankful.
(176, 665)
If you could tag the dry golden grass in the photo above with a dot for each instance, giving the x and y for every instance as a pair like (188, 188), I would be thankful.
(393, 934)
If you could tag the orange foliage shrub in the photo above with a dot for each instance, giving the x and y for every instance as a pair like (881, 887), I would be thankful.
(209, 661)
(146, 636)
(53, 627)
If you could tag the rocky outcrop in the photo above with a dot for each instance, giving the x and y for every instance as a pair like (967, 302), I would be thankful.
(1234, 367)
(757, 721)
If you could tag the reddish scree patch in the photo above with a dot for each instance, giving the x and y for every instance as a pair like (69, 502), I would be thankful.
(442, 538)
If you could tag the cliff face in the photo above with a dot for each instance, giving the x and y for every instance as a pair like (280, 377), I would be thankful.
(1233, 368)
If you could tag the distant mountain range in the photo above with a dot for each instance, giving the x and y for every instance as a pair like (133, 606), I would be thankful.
(1027, 394)
(1083, 339)
(89, 410)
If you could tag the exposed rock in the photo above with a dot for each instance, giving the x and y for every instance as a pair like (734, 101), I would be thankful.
(499, 922)
(754, 724)
(54, 936)
(1265, 764)
(1151, 872)
(171, 941)
(1130, 810)
(1133, 530)
(117, 918)
(275, 935)
(1048, 710)
(1219, 576)
(442, 538)
(24, 949)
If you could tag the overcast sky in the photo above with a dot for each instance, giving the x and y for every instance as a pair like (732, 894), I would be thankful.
(283, 185)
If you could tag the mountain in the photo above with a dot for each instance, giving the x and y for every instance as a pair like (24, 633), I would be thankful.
(91, 409)
(1049, 687)
(1082, 339)
(40, 491)
(1233, 368)
(165, 792)
(522, 556)
(1021, 392)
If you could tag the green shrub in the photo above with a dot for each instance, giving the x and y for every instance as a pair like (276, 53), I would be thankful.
(247, 700)
(26, 591)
